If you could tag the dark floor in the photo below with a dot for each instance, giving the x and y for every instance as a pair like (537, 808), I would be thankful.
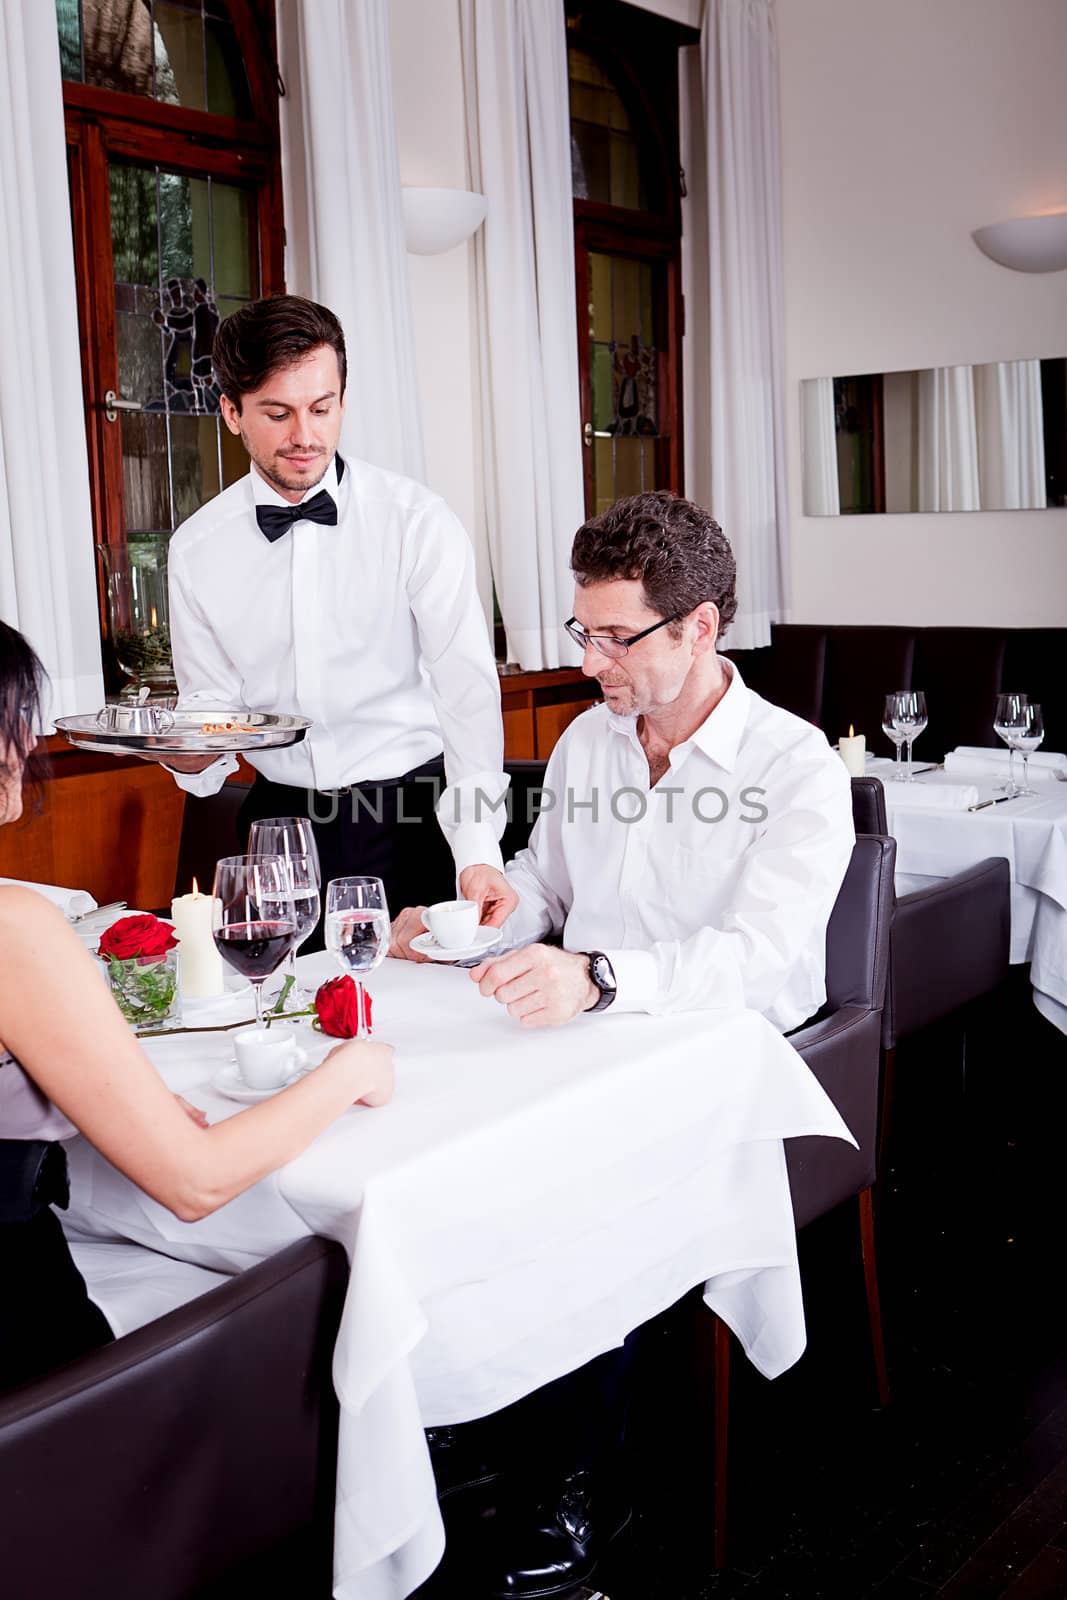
(959, 1489)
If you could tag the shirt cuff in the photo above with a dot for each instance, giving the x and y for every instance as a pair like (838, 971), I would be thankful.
(637, 980)
(208, 782)
(472, 845)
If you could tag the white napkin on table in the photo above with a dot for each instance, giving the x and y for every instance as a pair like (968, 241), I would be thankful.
(930, 796)
(72, 902)
(973, 761)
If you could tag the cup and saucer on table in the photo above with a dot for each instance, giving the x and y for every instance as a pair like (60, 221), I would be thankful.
(265, 1060)
(453, 933)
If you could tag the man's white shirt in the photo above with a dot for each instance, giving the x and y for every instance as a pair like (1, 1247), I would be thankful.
(372, 629)
(711, 891)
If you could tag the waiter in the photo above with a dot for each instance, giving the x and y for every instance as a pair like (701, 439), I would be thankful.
(345, 594)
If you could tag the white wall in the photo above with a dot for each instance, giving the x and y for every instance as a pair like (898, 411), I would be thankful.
(906, 124)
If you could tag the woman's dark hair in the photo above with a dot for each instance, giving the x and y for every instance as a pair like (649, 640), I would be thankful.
(267, 336)
(22, 682)
(679, 553)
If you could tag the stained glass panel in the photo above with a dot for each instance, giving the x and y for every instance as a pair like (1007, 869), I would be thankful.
(179, 55)
(134, 225)
(145, 475)
(623, 374)
(231, 212)
(194, 452)
(172, 50)
(605, 157)
(227, 87)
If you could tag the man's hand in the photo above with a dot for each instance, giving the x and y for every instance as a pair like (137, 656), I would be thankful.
(494, 894)
(179, 763)
(540, 985)
(407, 926)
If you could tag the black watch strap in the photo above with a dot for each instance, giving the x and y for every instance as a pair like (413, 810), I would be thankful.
(602, 975)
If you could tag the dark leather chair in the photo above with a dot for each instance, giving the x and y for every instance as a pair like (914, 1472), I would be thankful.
(950, 945)
(843, 1049)
(187, 1453)
(209, 831)
(527, 782)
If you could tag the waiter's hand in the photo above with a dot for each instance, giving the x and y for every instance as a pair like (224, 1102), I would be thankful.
(179, 763)
(494, 894)
(407, 926)
(540, 985)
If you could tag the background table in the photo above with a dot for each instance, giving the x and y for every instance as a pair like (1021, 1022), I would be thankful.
(526, 1200)
(1031, 833)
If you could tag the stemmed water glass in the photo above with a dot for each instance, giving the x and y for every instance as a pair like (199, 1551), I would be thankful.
(254, 921)
(903, 720)
(1011, 718)
(293, 838)
(357, 931)
(1029, 740)
(895, 733)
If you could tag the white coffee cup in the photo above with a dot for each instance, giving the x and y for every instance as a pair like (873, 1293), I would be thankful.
(453, 923)
(267, 1057)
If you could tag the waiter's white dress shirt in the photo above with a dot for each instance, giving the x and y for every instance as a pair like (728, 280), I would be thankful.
(372, 629)
(712, 890)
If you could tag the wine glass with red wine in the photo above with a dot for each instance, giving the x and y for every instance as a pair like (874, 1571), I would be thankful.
(255, 921)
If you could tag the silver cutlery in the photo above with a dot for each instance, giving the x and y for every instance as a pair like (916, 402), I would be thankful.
(997, 801)
(112, 905)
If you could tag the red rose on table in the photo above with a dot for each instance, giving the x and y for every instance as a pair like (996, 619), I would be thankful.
(131, 937)
(337, 1005)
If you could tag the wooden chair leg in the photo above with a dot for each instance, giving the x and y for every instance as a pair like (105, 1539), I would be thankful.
(874, 1305)
(889, 1063)
(721, 1380)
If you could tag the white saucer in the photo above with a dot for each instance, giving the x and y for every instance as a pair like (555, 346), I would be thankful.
(228, 1081)
(237, 988)
(485, 939)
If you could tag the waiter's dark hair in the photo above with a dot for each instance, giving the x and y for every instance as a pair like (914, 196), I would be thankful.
(269, 335)
(22, 683)
(679, 553)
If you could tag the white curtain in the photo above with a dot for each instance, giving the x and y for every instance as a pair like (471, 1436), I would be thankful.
(47, 568)
(343, 215)
(948, 440)
(818, 448)
(1011, 435)
(518, 121)
(735, 459)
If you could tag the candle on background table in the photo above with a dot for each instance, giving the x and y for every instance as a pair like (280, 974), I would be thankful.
(853, 752)
(200, 964)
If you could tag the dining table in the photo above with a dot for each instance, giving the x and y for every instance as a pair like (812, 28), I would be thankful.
(526, 1200)
(1029, 831)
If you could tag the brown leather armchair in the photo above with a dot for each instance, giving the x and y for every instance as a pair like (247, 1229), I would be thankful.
(196, 1450)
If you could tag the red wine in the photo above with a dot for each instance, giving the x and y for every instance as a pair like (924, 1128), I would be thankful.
(255, 949)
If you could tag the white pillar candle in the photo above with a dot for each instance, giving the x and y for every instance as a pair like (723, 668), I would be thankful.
(853, 752)
(199, 962)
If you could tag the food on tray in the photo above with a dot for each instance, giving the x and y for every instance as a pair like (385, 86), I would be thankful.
(227, 727)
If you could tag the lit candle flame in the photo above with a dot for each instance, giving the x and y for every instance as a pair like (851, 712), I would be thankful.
(154, 623)
(196, 891)
(851, 731)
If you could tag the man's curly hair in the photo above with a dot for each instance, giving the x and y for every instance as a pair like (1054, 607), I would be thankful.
(679, 553)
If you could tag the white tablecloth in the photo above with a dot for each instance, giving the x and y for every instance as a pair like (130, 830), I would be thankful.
(1032, 834)
(526, 1200)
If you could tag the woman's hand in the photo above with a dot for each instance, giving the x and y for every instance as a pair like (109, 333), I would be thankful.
(373, 1065)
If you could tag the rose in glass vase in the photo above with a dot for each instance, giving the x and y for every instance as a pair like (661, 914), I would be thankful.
(142, 966)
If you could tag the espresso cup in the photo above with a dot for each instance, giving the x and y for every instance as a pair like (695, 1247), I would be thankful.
(267, 1057)
(453, 923)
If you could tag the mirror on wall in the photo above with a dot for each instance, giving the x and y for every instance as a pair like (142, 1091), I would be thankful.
(982, 438)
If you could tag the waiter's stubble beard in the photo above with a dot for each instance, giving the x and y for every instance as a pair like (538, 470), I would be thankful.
(272, 469)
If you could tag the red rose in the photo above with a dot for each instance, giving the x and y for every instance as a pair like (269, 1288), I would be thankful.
(144, 936)
(337, 1005)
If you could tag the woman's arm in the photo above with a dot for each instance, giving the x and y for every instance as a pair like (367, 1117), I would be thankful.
(61, 1023)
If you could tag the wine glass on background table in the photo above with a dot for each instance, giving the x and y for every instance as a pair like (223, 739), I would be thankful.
(894, 726)
(357, 930)
(1010, 722)
(910, 720)
(255, 923)
(1029, 740)
(293, 838)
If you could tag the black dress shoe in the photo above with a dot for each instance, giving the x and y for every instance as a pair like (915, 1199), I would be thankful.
(558, 1549)
(460, 1458)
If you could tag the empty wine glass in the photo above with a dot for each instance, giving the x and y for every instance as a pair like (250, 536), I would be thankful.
(293, 838)
(255, 924)
(1010, 722)
(1029, 740)
(894, 732)
(911, 719)
(357, 931)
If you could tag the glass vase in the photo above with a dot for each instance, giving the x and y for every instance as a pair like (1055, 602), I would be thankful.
(145, 987)
(138, 609)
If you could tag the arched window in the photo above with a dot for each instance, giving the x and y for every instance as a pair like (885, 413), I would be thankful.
(172, 133)
(623, 70)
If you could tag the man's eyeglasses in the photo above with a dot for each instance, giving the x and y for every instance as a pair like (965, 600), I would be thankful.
(609, 644)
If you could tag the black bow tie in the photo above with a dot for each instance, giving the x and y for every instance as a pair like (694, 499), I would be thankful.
(276, 520)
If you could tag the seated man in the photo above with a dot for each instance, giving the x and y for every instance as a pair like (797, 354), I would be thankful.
(690, 850)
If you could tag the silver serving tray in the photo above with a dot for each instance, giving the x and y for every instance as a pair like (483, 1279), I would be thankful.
(268, 730)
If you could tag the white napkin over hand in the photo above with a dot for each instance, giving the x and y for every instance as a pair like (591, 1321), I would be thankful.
(973, 761)
(930, 796)
(72, 902)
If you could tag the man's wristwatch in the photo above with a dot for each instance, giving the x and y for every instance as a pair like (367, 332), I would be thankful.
(602, 974)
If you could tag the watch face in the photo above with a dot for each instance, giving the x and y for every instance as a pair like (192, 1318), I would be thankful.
(602, 975)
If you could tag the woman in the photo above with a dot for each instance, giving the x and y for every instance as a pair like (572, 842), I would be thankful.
(69, 1064)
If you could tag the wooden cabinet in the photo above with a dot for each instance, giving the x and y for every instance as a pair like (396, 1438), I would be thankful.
(537, 706)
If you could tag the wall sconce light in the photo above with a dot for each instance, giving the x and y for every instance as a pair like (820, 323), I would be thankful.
(1027, 244)
(436, 220)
